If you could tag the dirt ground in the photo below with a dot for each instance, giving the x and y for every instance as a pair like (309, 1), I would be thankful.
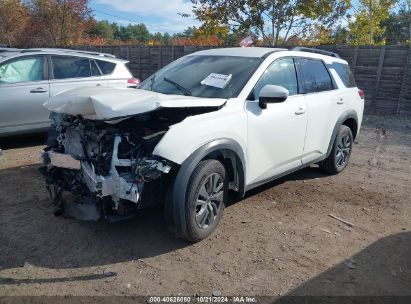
(279, 240)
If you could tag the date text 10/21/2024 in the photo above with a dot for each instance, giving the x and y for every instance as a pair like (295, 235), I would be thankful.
(202, 299)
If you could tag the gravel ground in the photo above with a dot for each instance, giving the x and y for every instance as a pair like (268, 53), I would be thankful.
(278, 240)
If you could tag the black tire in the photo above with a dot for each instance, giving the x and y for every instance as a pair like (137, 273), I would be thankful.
(203, 218)
(340, 152)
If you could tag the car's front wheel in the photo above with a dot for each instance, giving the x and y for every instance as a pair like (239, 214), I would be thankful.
(340, 153)
(205, 197)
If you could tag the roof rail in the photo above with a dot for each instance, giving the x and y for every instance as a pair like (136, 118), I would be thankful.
(273, 51)
(7, 49)
(67, 51)
(313, 50)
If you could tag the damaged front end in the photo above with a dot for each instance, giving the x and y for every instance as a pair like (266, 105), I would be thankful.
(106, 168)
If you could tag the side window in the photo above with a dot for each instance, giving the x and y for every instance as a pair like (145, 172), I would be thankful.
(282, 73)
(315, 76)
(94, 69)
(70, 67)
(106, 67)
(344, 72)
(22, 70)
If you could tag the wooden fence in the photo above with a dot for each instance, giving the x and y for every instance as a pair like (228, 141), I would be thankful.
(384, 73)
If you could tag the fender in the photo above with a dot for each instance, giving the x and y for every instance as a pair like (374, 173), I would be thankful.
(346, 115)
(187, 168)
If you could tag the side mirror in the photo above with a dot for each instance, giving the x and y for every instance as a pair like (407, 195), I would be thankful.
(272, 94)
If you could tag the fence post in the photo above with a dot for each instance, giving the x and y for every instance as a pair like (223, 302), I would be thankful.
(139, 63)
(160, 57)
(379, 71)
(354, 60)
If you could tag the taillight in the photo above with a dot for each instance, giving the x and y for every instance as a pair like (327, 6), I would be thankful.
(133, 81)
(361, 93)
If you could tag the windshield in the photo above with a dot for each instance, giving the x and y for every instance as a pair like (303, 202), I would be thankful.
(203, 76)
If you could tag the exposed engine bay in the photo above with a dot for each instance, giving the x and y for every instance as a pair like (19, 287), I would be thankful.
(106, 168)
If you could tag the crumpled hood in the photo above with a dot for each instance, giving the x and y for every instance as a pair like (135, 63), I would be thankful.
(104, 103)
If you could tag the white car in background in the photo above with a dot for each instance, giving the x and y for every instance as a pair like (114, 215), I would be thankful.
(28, 77)
(210, 122)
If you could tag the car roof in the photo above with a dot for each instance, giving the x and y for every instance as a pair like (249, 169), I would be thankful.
(12, 53)
(257, 52)
(264, 52)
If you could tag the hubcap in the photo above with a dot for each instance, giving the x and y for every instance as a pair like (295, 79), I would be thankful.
(209, 200)
(342, 152)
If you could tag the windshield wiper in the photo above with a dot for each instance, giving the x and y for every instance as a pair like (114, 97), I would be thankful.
(186, 92)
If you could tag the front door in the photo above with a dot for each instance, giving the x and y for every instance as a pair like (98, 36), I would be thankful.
(23, 90)
(276, 134)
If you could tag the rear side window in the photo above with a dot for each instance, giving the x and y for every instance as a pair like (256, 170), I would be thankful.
(106, 67)
(344, 72)
(70, 67)
(314, 74)
(24, 69)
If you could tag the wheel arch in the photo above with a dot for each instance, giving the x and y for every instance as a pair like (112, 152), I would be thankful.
(233, 165)
(348, 118)
(352, 123)
(229, 152)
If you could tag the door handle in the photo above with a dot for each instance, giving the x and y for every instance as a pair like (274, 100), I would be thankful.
(38, 90)
(300, 111)
(98, 85)
(340, 101)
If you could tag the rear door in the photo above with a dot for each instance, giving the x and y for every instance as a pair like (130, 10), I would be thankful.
(347, 88)
(69, 72)
(24, 88)
(323, 103)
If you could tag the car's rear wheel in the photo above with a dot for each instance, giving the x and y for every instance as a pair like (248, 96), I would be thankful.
(205, 197)
(340, 153)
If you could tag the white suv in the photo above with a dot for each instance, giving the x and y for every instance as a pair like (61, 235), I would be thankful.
(28, 77)
(211, 122)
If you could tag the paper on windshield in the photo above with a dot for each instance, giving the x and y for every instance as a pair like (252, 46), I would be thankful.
(217, 80)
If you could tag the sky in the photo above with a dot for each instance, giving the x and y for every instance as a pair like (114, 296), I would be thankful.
(158, 15)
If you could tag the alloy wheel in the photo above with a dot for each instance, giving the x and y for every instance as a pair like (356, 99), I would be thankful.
(209, 200)
(343, 150)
